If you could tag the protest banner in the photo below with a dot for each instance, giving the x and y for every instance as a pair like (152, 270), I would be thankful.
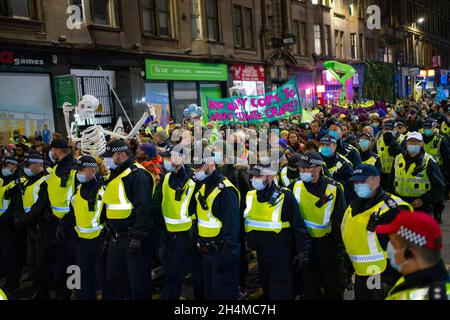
(279, 104)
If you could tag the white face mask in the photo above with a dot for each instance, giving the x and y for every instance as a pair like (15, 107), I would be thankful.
(168, 166)
(391, 256)
(200, 175)
(109, 162)
(258, 184)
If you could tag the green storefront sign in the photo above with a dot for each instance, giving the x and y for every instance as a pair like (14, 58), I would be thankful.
(66, 90)
(179, 70)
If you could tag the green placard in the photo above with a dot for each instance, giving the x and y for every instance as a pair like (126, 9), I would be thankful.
(66, 90)
(179, 70)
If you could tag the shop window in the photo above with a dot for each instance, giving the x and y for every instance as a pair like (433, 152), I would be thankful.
(104, 12)
(21, 9)
(156, 17)
(157, 94)
(184, 93)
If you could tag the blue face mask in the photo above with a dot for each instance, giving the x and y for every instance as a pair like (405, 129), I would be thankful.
(391, 256)
(364, 144)
(6, 172)
(82, 178)
(258, 184)
(218, 156)
(326, 152)
(428, 132)
(200, 175)
(334, 134)
(306, 176)
(414, 150)
(363, 190)
(28, 172)
(109, 162)
(168, 166)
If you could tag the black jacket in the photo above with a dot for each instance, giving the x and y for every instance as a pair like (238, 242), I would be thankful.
(366, 155)
(297, 233)
(341, 175)
(350, 152)
(15, 202)
(138, 188)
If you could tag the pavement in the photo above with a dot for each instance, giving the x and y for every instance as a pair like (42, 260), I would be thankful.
(253, 291)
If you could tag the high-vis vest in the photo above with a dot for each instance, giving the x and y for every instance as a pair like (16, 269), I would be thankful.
(60, 196)
(339, 164)
(3, 296)
(386, 160)
(317, 220)
(433, 148)
(284, 180)
(371, 161)
(31, 194)
(407, 185)
(208, 225)
(4, 203)
(176, 213)
(414, 293)
(445, 128)
(361, 245)
(88, 222)
(117, 204)
(402, 137)
(262, 216)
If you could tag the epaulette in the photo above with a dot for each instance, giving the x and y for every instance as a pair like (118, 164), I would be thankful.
(391, 203)
(438, 291)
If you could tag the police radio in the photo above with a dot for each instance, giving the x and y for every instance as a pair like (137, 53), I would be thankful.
(373, 221)
(323, 200)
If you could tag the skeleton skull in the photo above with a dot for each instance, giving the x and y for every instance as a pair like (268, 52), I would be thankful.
(87, 107)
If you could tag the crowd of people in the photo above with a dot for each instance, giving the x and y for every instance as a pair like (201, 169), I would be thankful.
(339, 196)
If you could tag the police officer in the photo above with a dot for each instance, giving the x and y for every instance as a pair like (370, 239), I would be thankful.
(437, 146)
(61, 186)
(86, 216)
(177, 199)
(128, 201)
(337, 166)
(12, 240)
(289, 173)
(37, 217)
(414, 250)
(322, 205)
(367, 156)
(3, 296)
(218, 229)
(272, 219)
(445, 126)
(416, 176)
(371, 207)
(402, 131)
(387, 149)
(343, 148)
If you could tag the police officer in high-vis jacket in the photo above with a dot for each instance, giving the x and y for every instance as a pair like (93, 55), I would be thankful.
(178, 200)
(217, 209)
(61, 186)
(37, 218)
(12, 239)
(275, 229)
(387, 148)
(416, 177)
(128, 203)
(414, 250)
(367, 156)
(343, 148)
(322, 205)
(86, 216)
(371, 207)
(289, 173)
(3, 296)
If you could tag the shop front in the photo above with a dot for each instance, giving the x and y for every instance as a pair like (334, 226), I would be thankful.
(249, 80)
(171, 86)
(25, 92)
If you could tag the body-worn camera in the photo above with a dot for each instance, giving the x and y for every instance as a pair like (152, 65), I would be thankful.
(373, 221)
(326, 198)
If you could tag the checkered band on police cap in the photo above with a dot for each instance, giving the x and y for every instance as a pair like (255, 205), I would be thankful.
(412, 236)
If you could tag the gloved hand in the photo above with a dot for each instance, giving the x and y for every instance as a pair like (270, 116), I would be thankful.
(60, 233)
(221, 264)
(135, 247)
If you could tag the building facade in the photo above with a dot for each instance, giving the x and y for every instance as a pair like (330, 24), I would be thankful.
(171, 53)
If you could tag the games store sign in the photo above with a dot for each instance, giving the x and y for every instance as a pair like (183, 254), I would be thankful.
(11, 58)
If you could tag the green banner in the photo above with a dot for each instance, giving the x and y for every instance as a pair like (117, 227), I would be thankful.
(279, 104)
(180, 70)
(379, 81)
(65, 90)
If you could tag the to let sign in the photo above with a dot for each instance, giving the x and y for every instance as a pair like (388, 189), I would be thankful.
(66, 90)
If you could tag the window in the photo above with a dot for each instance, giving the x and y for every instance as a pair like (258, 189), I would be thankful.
(79, 4)
(243, 27)
(336, 43)
(248, 28)
(212, 26)
(302, 38)
(341, 42)
(104, 12)
(21, 9)
(327, 32)
(196, 20)
(353, 45)
(156, 17)
(317, 40)
(361, 46)
(296, 31)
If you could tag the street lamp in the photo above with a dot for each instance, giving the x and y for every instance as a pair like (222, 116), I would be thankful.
(420, 20)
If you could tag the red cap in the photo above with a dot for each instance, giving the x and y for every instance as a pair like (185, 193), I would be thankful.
(416, 227)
